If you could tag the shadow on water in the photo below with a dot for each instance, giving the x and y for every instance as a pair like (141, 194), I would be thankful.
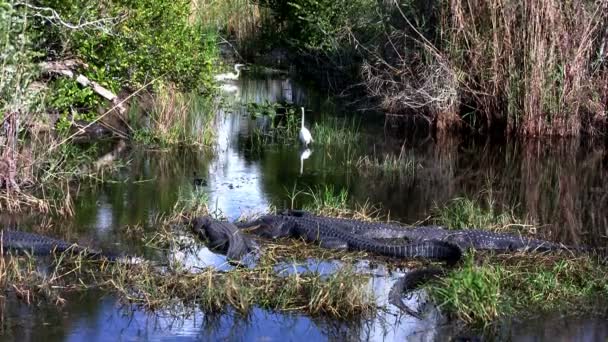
(559, 186)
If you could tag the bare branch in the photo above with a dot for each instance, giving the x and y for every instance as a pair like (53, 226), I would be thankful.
(104, 25)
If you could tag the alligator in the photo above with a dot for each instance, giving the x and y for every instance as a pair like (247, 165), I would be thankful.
(409, 282)
(35, 244)
(465, 239)
(223, 236)
(328, 235)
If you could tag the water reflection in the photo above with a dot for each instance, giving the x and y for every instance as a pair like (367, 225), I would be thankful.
(304, 154)
(561, 187)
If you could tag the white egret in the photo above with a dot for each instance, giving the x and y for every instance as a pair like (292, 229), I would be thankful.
(230, 76)
(304, 155)
(305, 136)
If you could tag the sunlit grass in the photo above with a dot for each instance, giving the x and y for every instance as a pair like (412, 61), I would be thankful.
(466, 213)
(177, 119)
(483, 291)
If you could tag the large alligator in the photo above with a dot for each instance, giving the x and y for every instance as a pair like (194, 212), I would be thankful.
(328, 235)
(466, 239)
(223, 236)
(35, 244)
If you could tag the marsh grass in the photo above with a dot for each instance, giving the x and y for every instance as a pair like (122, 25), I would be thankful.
(487, 288)
(238, 20)
(31, 279)
(390, 165)
(336, 131)
(465, 213)
(341, 295)
(177, 118)
(192, 201)
(285, 124)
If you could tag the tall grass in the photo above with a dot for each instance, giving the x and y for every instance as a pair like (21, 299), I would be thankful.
(534, 68)
(389, 165)
(466, 213)
(336, 131)
(239, 20)
(532, 65)
(177, 118)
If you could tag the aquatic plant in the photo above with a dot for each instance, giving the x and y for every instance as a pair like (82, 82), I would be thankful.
(389, 165)
(337, 131)
(192, 201)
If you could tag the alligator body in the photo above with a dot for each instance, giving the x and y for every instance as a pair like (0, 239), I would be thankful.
(35, 244)
(223, 236)
(328, 234)
(465, 239)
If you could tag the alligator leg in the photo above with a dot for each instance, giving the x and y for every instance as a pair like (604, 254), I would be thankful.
(335, 244)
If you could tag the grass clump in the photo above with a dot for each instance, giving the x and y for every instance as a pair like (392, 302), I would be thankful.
(391, 165)
(463, 213)
(336, 131)
(484, 291)
(176, 118)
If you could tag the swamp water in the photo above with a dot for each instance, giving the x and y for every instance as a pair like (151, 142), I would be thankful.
(561, 186)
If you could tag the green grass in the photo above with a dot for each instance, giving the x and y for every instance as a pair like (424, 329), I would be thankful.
(326, 199)
(463, 213)
(487, 288)
(336, 131)
(481, 292)
(192, 200)
(390, 165)
(177, 118)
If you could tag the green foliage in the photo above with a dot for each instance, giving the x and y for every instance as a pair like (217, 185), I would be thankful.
(474, 292)
(336, 131)
(389, 165)
(135, 42)
(326, 199)
(192, 201)
(480, 293)
(322, 24)
(15, 59)
(463, 213)
(147, 39)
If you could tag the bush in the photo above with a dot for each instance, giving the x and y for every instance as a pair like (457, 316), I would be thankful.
(144, 40)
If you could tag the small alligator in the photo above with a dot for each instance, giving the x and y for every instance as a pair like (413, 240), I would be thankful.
(328, 235)
(35, 244)
(465, 239)
(223, 236)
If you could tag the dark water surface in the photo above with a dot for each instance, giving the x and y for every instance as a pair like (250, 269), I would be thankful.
(559, 186)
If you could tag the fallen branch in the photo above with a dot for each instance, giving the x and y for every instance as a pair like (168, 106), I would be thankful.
(66, 67)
